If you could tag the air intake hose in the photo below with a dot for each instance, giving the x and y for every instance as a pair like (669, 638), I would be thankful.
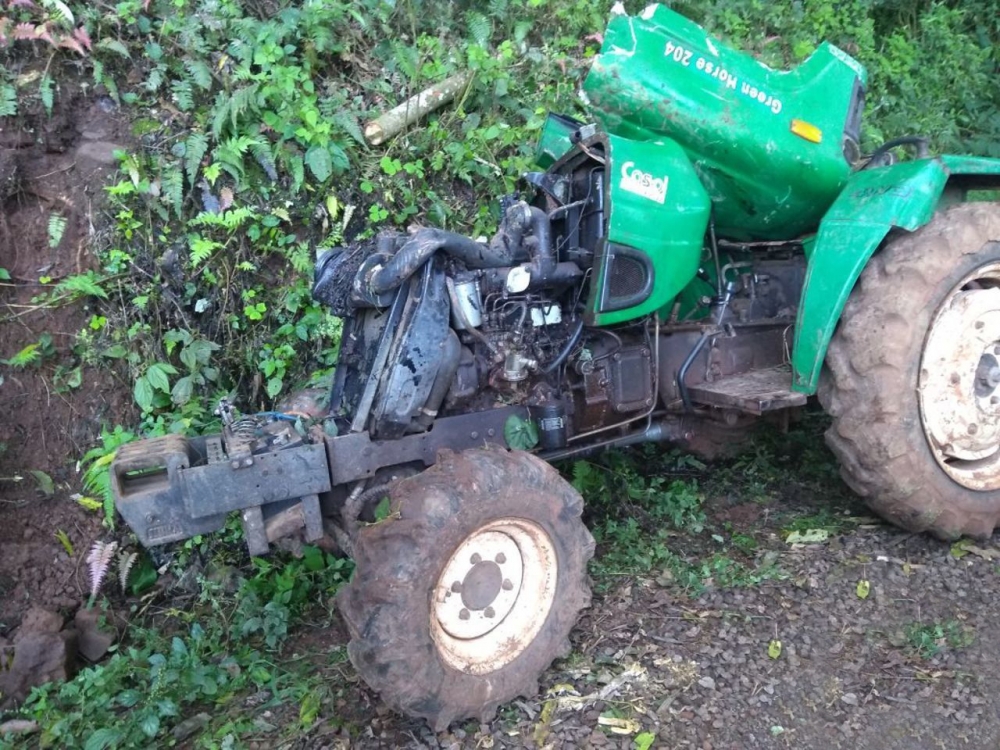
(421, 246)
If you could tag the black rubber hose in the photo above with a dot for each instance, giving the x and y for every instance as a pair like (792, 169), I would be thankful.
(421, 246)
(353, 508)
(574, 337)
(451, 350)
(541, 229)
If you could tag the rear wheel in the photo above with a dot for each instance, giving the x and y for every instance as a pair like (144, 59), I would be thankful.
(469, 590)
(913, 377)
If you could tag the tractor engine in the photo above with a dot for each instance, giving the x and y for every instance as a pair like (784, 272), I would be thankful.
(437, 324)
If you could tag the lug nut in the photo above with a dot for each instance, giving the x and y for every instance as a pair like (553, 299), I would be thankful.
(457, 587)
(489, 613)
(506, 585)
(973, 429)
(955, 378)
(463, 614)
(475, 559)
(501, 558)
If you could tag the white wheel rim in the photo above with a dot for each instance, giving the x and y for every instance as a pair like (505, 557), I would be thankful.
(494, 595)
(959, 382)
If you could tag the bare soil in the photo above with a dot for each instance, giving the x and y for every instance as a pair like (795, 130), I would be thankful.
(49, 165)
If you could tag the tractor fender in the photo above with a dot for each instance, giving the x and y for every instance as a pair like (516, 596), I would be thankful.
(873, 202)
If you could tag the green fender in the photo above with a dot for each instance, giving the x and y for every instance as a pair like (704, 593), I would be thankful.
(873, 202)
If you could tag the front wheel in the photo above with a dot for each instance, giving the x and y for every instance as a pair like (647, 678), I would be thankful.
(913, 377)
(468, 591)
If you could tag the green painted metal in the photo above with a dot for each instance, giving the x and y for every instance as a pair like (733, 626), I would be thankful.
(660, 75)
(657, 205)
(554, 142)
(874, 201)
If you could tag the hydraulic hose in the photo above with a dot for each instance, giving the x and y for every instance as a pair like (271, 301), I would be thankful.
(421, 246)
(574, 337)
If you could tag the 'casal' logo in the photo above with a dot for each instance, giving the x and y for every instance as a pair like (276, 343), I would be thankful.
(636, 181)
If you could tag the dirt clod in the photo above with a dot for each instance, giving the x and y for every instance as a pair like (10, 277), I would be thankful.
(94, 641)
(38, 658)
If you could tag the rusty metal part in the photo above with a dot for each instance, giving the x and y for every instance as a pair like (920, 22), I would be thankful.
(494, 595)
(145, 481)
(270, 478)
(356, 456)
(959, 379)
(754, 392)
(172, 488)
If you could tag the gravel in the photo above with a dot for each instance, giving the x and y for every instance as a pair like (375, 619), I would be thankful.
(851, 672)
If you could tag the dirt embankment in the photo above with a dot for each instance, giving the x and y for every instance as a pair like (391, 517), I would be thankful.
(52, 169)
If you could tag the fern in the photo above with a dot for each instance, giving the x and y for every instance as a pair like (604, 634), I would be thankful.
(113, 45)
(263, 156)
(349, 124)
(480, 28)
(202, 249)
(82, 285)
(229, 220)
(173, 188)
(200, 74)
(183, 94)
(125, 562)
(47, 93)
(8, 100)
(195, 150)
(57, 228)
(243, 100)
(96, 477)
(29, 355)
(99, 561)
(60, 11)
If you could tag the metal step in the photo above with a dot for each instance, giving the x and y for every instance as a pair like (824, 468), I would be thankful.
(753, 392)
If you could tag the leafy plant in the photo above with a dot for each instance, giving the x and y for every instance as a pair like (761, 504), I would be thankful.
(99, 560)
(96, 474)
(927, 640)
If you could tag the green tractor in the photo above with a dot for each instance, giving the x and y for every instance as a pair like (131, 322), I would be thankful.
(712, 250)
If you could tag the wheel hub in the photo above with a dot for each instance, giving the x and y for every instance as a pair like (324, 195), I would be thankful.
(494, 595)
(959, 382)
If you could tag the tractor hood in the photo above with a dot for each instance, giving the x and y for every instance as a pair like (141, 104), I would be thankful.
(772, 148)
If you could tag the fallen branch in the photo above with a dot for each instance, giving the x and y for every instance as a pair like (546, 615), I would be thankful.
(401, 117)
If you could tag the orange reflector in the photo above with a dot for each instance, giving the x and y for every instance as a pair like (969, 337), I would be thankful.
(810, 132)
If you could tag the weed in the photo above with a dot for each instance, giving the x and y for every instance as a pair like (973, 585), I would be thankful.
(147, 686)
(927, 640)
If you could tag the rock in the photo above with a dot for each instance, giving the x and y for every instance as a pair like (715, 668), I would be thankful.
(37, 621)
(850, 699)
(190, 726)
(707, 682)
(38, 658)
(94, 642)
(102, 152)
(18, 726)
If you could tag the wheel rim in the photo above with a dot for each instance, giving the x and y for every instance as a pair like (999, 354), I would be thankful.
(494, 595)
(959, 383)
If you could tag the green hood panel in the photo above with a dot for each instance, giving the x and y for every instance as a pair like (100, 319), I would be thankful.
(658, 211)
(660, 75)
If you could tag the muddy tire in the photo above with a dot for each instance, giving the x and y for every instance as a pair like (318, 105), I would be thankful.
(911, 377)
(464, 595)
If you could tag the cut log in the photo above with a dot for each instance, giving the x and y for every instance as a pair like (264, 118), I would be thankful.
(401, 117)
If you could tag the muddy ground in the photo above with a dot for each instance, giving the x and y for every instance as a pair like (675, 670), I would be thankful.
(49, 166)
(913, 664)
